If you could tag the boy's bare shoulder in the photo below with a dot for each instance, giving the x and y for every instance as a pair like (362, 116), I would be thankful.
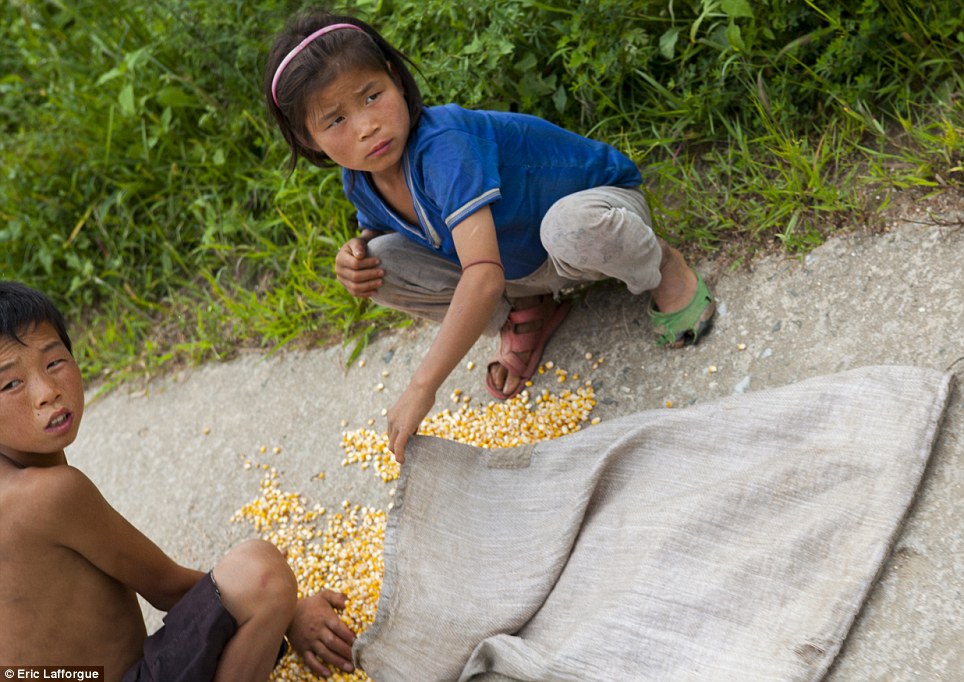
(41, 496)
(54, 482)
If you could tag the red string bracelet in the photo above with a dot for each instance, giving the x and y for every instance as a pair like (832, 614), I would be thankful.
(480, 262)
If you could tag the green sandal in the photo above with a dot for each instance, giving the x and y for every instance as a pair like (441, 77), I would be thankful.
(685, 326)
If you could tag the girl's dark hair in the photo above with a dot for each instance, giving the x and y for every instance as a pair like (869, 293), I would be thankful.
(22, 308)
(320, 63)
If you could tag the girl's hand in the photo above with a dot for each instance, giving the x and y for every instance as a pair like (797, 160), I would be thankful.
(358, 273)
(405, 416)
(319, 635)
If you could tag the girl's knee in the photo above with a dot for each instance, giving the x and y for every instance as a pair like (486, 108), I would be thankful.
(572, 229)
(583, 227)
(567, 211)
(253, 577)
(389, 247)
(596, 213)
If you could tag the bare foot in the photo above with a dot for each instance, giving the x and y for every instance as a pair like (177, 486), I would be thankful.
(678, 284)
(502, 378)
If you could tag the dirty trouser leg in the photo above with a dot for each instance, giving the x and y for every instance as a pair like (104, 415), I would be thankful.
(601, 233)
(419, 282)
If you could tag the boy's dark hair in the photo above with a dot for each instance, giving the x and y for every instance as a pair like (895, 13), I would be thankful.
(22, 308)
(323, 60)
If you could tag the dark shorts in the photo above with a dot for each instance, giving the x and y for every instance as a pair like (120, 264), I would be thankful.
(188, 646)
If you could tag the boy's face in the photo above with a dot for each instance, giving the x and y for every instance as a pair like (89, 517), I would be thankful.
(41, 397)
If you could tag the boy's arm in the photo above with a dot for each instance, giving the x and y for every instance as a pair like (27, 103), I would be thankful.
(320, 635)
(72, 513)
(475, 299)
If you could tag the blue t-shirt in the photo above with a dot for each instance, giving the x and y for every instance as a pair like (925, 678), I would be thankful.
(458, 160)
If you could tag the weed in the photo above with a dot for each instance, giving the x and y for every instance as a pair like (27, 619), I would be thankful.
(145, 190)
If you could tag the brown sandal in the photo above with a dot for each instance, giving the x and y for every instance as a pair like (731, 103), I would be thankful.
(513, 342)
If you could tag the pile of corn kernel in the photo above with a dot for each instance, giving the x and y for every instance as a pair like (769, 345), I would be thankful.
(346, 554)
(506, 424)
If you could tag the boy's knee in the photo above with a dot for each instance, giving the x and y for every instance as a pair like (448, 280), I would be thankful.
(254, 577)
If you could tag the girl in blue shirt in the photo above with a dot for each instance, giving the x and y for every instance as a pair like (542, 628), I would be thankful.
(473, 219)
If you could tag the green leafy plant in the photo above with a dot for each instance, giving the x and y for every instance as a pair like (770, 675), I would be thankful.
(144, 188)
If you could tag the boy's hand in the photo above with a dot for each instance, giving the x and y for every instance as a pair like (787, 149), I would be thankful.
(358, 273)
(319, 635)
(404, 418)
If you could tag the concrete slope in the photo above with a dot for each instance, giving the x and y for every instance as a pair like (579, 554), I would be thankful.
(170, 457)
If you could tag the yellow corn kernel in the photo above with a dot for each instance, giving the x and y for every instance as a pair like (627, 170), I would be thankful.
(342, 550)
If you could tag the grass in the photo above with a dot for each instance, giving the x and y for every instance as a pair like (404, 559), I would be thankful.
(145, 190)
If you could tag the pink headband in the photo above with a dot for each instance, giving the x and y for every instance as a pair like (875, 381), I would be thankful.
(297, 50)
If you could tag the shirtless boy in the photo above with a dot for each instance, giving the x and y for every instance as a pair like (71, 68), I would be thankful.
(70, 564)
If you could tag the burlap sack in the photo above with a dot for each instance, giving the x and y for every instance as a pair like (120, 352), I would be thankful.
(735, 540)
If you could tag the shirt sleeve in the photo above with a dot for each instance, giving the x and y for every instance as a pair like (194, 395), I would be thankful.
(463, 175)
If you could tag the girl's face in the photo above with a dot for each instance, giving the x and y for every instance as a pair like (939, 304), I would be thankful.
(361, 121)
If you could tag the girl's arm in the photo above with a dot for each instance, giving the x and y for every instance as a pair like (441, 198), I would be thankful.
(75, 515)
(475, 299)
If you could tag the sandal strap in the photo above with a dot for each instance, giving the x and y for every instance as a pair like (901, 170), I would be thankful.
(552, 315)
(512, 342)
(693, 319)
(541, 310)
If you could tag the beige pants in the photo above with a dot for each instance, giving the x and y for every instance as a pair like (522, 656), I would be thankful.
(596, 234)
